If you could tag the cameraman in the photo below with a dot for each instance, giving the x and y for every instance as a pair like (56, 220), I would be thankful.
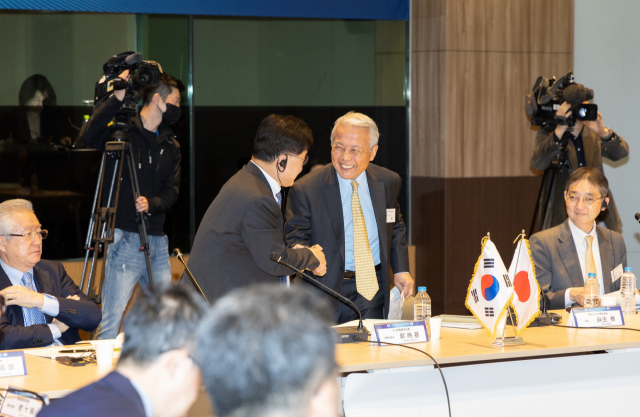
(585, 148)
(156, 155)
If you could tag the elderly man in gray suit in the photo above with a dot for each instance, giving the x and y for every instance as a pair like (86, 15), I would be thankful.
(565, 254)
(350, 208)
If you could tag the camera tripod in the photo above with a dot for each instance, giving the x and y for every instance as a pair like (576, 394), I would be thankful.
(103, 219)
(543, 215)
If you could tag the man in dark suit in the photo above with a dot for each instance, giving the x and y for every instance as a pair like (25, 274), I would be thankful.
(351, 209)
(245, 224)
(155, 375)
(565, 254)
(44, 306)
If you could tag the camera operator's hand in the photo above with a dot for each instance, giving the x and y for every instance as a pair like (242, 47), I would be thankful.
(120, 93)
(597, 126)
(564, 110)
(142, 204)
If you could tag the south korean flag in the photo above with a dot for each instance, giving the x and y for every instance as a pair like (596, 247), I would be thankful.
(491, 289)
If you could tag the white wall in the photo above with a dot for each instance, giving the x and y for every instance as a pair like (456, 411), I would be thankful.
(607, 59)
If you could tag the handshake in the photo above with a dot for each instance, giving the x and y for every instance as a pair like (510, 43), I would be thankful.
(321, 270)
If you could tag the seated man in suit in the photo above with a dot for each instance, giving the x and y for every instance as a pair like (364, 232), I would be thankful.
(155, 375)
(266, 350)
(565, 254)
(350, 208)
(44, 306)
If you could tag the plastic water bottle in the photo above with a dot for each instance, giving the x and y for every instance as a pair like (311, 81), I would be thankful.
(422, 306)
(591, 291)
(628, 292)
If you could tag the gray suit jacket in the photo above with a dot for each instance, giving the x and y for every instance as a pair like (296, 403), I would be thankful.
(241, 228)
(558, 267)
(595, 149)
(315, 217)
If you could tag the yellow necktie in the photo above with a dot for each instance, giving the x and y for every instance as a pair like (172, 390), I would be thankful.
(590, 262)
(366, 281)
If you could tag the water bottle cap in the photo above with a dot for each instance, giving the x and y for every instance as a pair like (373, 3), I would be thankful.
(422, 289)
(591, 275)
(628, 269)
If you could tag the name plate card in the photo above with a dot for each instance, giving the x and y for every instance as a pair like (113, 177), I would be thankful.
(400, 333)
(596, 317)
(12, 364)
(17, 405)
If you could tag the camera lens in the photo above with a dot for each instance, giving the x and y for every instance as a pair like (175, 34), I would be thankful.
(582, 112)
(145, 78)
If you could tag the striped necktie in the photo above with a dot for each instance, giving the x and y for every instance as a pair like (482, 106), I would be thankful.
(366, 280)
(31, 315)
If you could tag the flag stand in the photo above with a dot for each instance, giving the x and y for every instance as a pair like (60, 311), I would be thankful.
(511, 340)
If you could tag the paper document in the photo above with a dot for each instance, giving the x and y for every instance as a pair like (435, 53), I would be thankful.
(460, 322)
(618, 297)
(54, 351)
(396, 302)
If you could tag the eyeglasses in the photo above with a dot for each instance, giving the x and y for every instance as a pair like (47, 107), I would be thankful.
(586, 200)
(304, 161)
(31, 235)
(354, 153)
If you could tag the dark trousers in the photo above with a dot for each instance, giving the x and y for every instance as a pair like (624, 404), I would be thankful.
(373, 309)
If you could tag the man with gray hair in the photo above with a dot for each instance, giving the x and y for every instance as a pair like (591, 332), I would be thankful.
(266, 350)
(350, 208)
(156, 375)
(44, 305)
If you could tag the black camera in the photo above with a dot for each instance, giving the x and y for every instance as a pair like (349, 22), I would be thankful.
(142, 74)
(547, 95)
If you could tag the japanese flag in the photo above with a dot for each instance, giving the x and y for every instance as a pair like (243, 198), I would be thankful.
(526, 298)
(490, 290)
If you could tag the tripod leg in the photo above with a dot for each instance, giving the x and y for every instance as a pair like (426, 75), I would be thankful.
(142, 226)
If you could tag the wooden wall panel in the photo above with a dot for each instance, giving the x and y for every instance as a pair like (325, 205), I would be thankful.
(428, 25)
(510, 26)
(428, 134)
(488, 133)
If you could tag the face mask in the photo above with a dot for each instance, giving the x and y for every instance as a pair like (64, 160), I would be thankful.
(172, 115)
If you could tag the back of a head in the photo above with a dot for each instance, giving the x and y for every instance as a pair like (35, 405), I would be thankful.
(593, 176)
(574, 94)
(266, 350)
(281, 134)
(161, 319)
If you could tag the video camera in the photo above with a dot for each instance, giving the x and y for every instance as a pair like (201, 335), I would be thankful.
(547, 95)
(142, 74)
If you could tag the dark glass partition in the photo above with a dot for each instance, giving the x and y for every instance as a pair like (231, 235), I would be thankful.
(243, 69)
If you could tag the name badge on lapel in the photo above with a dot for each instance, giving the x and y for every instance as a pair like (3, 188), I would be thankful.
(391, 215)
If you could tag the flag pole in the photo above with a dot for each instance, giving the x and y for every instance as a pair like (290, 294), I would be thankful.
(515, 340)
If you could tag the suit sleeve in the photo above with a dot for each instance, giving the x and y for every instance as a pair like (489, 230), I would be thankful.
(544, 273)
(95, 133)
(399, 248)
(615, 149)
(298, 227)
(21, 337)
(81, 314)
(262, 236)
(544, 151)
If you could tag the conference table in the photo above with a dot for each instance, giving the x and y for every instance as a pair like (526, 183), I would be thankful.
(559, 370)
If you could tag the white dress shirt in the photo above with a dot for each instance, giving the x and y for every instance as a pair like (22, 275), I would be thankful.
(275, 186)
(579, 239)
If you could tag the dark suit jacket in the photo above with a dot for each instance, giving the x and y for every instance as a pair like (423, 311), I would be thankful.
(316, 217)
(237, 235)
(54, 125)
(595, 149)
(558, 267)
(110, 396)
(51, 278)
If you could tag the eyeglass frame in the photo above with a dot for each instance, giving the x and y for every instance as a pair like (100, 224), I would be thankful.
(304, 161)
(38, 233)
(351, 151)
(569, 197)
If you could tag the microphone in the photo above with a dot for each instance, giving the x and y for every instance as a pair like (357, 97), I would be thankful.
(178, 254)
(638, 217)
(343, 334)
(133, 58)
